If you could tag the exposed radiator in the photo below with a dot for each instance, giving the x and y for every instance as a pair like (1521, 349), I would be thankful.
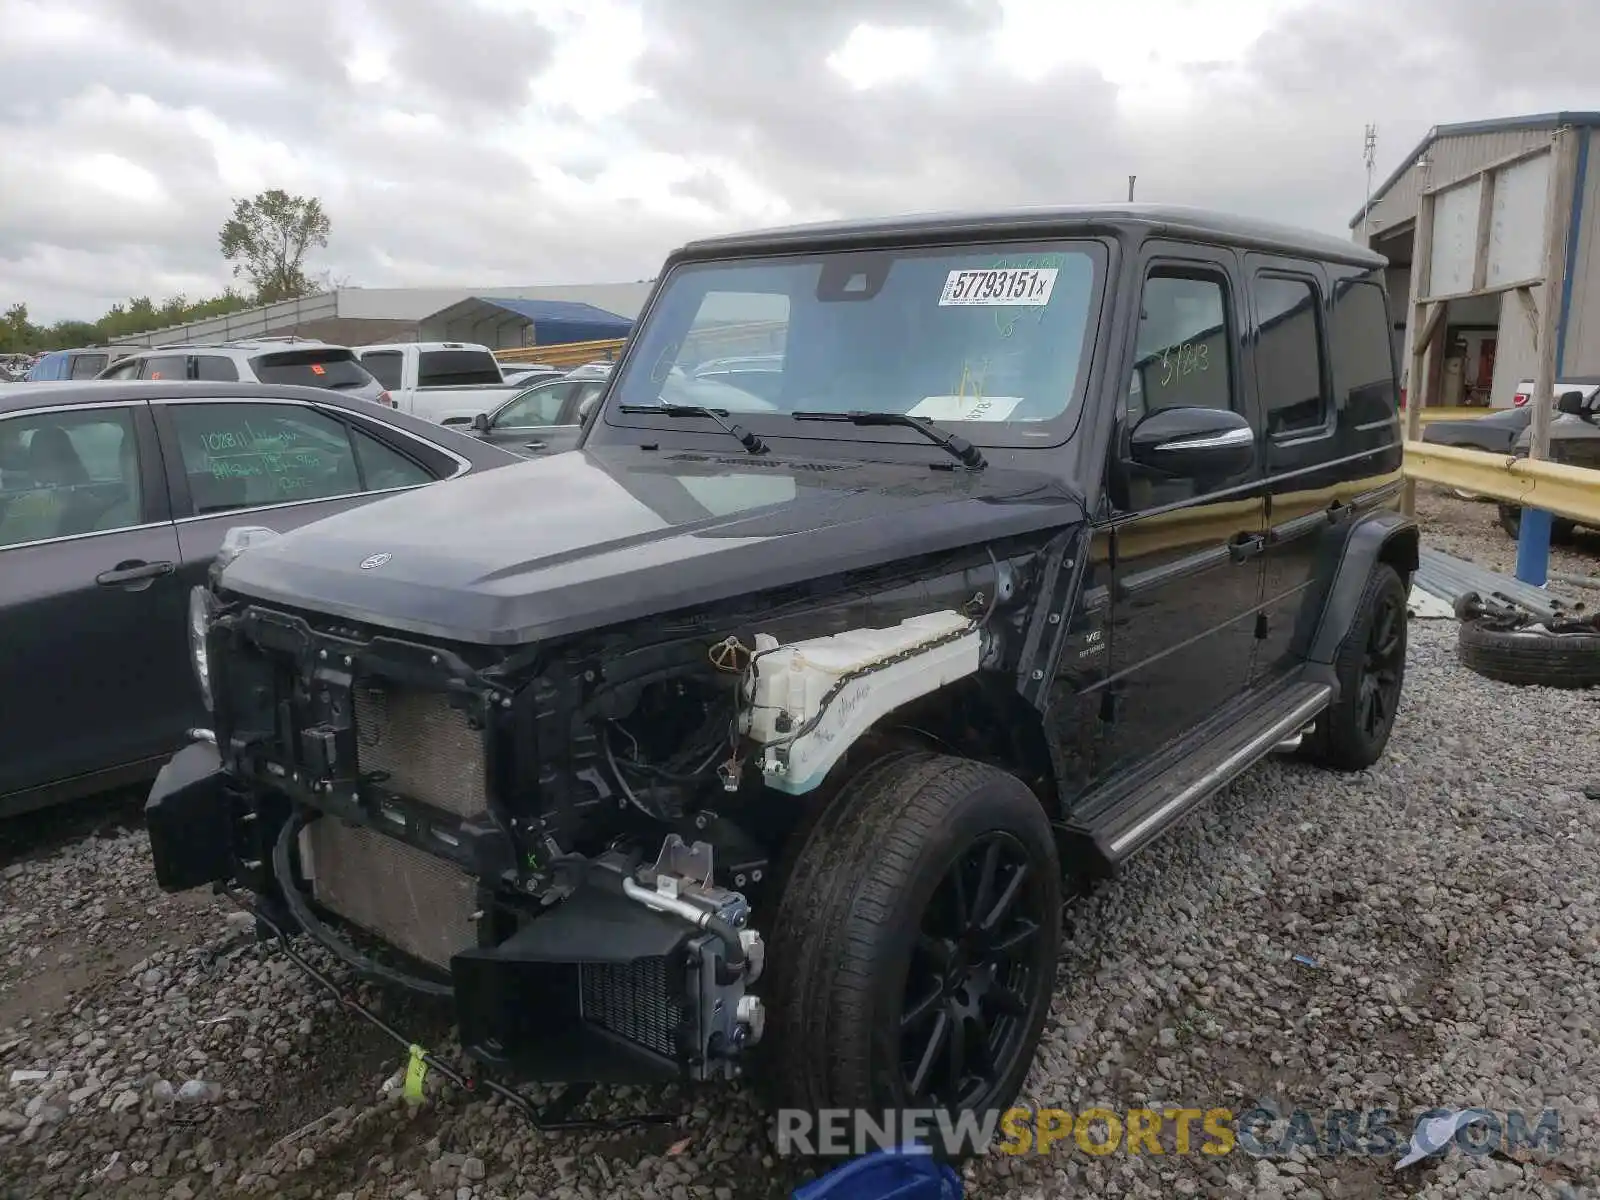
(416, 902)
(633, 1001)
(427, 749)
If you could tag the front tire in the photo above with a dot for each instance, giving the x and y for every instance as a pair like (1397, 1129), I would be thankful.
(915, 943)
(1351, 733)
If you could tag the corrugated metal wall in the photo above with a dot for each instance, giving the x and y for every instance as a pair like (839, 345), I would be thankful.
(1580, 347)
(1452, 158)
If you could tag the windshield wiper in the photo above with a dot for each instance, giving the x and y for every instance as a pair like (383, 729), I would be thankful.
(971, 457)
(748, 440)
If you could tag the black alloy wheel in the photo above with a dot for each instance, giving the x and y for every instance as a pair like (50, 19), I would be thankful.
(970, 976)
(1352, 732)
(914, 949)
(1383, 665)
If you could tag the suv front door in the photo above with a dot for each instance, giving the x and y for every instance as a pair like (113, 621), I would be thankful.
(1186, 567)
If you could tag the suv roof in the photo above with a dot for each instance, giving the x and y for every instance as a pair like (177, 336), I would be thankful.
(1188, 224)
(261, 343)
(422, 346)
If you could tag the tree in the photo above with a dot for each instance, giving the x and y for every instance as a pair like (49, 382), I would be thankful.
(267, 238)
(17, 333)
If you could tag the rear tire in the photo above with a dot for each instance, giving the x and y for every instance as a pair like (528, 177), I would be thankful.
(1351, 734)
(915, 944)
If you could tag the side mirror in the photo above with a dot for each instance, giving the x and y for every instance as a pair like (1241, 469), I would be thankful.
(480, 423)
(1194, 443)
(588, 408)
(1570, 403)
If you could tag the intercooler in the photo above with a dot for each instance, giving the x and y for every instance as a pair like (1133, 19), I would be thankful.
(414, 901)
(423, 748)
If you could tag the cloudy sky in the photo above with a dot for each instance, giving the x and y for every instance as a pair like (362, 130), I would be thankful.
(505, 142)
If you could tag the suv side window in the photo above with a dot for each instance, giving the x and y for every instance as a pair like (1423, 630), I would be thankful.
(166, 366)
(1181, 357)
(1363, 362)
(250, 454)
(384, 366)
(125, 370)
(215, 368)
(1288, 354)
(87, 366)
(68, 473)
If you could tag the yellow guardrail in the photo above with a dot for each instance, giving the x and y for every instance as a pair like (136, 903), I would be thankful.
(1559, 488)
(1455, 413)
(568, 354)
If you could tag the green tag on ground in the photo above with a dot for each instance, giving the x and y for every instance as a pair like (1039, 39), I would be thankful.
(416, 1072)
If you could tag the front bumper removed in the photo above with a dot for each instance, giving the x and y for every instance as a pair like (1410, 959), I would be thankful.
(600, 987)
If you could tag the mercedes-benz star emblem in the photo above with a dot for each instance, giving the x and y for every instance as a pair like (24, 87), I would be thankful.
(374, 560)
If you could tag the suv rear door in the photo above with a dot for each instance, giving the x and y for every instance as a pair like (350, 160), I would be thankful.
(1292, 382)
(1323, 473)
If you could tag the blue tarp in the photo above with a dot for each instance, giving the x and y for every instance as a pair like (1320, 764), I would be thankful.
(906, 1173)
(556, 322)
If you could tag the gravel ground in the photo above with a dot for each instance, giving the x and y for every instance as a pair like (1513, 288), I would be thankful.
(1470, 529)
(1448, 899)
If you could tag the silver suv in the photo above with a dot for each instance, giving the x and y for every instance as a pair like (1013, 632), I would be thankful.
(287, 360)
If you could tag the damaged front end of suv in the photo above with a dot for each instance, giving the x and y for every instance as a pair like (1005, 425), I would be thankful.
(579, 839)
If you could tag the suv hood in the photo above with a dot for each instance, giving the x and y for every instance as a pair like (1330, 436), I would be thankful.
(591, 538)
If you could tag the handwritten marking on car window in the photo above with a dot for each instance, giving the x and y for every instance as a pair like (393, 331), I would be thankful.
(1186, 358)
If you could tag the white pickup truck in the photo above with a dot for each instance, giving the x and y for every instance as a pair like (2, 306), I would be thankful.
(447, 382)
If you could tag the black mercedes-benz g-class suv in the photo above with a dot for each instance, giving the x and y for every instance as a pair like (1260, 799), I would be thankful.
(1045, 525)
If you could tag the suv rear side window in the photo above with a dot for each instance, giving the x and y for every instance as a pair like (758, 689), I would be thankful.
(166, 366)
(1181, 358)
(1288, 354)
(324, 368)
(215, 368)
(456, 368)
(1363, 363)
(385, 366)
(87, 366)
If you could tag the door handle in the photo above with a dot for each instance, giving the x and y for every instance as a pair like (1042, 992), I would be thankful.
(533, 445)
(133, 571)
(1244, 546)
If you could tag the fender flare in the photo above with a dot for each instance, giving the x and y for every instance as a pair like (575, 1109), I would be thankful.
(1382, 536)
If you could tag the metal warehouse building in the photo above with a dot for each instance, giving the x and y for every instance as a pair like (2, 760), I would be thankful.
(1463, 222)
(498, 317)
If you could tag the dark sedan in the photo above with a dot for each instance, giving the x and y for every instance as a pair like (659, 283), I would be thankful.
(114, 499)
(1496, 432)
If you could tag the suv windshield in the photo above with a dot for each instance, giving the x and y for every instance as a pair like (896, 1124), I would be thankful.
(335, 368)
(991, 334)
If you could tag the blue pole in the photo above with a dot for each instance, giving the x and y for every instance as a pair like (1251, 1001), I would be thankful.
(1533, 547)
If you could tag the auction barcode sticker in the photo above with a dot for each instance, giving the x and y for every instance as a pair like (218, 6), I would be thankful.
(999, 285)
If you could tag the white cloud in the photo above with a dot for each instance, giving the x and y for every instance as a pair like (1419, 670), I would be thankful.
(521, 141)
